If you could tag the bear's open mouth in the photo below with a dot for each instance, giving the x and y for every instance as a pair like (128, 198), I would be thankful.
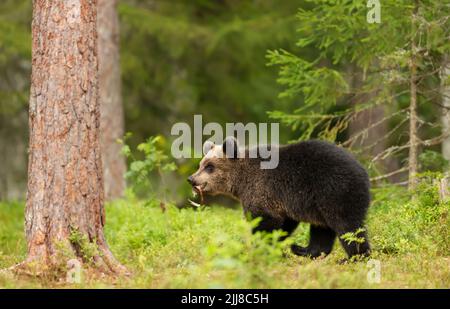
(198, 190)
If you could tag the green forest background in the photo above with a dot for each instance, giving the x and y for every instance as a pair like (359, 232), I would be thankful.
(317, 67)
(311, 65)
(178, 58)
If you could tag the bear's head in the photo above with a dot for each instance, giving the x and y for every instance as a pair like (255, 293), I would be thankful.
(215, 174)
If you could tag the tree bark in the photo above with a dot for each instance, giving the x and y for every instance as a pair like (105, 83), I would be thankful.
(413, 138)
(111, 109)
(65, 185)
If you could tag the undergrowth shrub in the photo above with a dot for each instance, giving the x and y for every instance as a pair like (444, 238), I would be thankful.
(213, 247)
(401, 223)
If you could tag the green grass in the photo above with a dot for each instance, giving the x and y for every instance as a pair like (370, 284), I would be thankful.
(214, 248)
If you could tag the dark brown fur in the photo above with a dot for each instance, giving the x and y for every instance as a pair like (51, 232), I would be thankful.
(315, 182)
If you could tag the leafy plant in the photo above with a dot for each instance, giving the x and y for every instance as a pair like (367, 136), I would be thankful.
(88, 249)
(152, 159)
(432, 161)
(352, 237)
(348, 69)
(213, 247)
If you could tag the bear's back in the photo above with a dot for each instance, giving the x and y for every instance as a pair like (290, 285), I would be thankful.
(319, 159)
(318, 172)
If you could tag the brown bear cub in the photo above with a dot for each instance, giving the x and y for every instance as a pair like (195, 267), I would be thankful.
(315, 182)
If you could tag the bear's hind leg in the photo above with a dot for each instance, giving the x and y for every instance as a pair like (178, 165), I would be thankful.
(342, 224)
(321, 241)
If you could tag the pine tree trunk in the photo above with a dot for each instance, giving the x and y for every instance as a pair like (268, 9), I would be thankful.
(112, 119)
(65, 185)
(413, 138)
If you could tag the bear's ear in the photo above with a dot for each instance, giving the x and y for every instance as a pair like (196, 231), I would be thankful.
(207, 146)
(230, 147)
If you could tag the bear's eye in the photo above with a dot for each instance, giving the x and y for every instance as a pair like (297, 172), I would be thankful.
(209, 168)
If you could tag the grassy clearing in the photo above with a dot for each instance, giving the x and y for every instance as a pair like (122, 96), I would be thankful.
(213, 248)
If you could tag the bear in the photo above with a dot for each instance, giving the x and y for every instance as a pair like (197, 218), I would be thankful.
(315, 182)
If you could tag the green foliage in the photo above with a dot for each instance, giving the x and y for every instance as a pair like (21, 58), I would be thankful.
(183, 58)
(15, 36)
(340, 32)
(212, 247)
(301, 77)
(353, 237)
(153, 159)
(88, 249)
(411, 226)
(319, 88)
(207, 57)
(346, 66)
(12, 240)
(15, 69)
(178, 58)
(432, 161)
(15, 56)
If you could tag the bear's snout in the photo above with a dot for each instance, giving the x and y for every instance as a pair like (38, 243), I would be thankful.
(191, 180)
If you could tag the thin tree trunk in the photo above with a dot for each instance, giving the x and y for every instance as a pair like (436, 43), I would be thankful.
(65, 186)
(413, 138)
(112, 119)
(445, 119)
(445, 73)
(374, 141)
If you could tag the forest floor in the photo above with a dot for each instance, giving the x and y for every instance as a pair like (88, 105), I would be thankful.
(213, 247)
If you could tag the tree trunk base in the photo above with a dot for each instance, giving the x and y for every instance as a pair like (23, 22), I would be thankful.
(100, 266)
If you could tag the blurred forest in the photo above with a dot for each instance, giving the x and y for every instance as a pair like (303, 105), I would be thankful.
(339, 77)
(328, 69)
(178, 58)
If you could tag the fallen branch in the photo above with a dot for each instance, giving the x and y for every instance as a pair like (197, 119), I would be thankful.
(404, 169)
(436, 140)
(389, 151)
(403, 183)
